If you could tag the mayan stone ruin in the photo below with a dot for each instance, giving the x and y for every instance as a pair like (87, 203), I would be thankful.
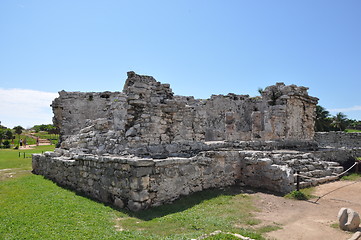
(145, 146)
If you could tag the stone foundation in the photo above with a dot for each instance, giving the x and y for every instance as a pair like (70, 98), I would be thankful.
(139, 183)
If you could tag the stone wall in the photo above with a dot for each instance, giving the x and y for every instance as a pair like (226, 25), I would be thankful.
(138, 183)
(338, 140)
(146, 119)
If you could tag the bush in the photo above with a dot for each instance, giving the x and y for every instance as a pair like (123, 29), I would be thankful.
(297, 195)
(6, 144)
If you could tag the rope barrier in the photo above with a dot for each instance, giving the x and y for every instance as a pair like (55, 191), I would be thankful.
(338, 175)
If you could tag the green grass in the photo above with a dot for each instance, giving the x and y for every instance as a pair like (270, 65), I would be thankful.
(203, 212)
(352, 177)
(335, 225)
(303, 194)
(222, 236)
(35, 208)
(352, 130)
(9, 158)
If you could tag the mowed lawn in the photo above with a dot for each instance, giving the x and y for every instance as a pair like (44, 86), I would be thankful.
(35, 208)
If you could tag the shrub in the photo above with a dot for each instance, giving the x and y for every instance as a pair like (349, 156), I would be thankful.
(6, 144)
(297, 195)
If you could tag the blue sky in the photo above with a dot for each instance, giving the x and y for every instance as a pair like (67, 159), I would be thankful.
(199, 47)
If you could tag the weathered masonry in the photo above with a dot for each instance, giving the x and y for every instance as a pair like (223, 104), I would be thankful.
(144, 146)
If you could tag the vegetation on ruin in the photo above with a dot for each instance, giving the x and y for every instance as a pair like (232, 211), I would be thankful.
(35, 208)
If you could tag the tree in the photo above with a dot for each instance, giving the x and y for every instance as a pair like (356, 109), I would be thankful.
(8, 134)
(2, 135)
(340, 121)
(323, 120)
(18, 130)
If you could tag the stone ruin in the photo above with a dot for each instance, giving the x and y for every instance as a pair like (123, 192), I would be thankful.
(145, 146)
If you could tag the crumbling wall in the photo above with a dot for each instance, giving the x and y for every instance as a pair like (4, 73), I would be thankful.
(147, 119)
(145, 146)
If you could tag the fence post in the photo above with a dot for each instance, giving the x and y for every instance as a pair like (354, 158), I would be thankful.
(24, 154)
(19, 154)
(298, 181)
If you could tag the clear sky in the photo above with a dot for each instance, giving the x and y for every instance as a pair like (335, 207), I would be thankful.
(200, 47)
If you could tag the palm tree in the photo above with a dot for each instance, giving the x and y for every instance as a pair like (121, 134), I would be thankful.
(322, 123)
(340, 121)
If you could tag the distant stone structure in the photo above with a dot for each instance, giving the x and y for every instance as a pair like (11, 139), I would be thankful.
(145, 146)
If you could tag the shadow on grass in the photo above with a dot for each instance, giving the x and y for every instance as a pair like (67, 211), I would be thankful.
(179, 205)
(186, 202)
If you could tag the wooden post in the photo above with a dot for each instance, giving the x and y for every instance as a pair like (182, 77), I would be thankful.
(298, 181)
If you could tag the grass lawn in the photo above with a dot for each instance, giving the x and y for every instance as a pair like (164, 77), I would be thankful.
(35, 208)
(9, 158)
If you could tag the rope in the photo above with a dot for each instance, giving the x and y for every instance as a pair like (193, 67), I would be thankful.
(338, 175)
(342, 186)
(335, 190)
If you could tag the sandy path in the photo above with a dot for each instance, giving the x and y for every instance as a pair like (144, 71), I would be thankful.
(309, 220)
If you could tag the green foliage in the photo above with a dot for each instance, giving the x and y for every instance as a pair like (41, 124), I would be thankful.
(8, 134)
(303, 194)
(339, 121)
(322, 122)
(18, 129)
(6, 144)
(49, 128)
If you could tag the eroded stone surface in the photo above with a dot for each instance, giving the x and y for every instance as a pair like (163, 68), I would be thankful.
(144, 146)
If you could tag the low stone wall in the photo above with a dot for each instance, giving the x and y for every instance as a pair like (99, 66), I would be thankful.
(338, 139)
(139, 183)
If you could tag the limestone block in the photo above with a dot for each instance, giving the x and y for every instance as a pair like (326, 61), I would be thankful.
(134, 206)
(349, 220)
(140, 196)
(118, 202)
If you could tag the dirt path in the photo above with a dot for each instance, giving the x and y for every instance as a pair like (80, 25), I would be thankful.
(307, 219)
